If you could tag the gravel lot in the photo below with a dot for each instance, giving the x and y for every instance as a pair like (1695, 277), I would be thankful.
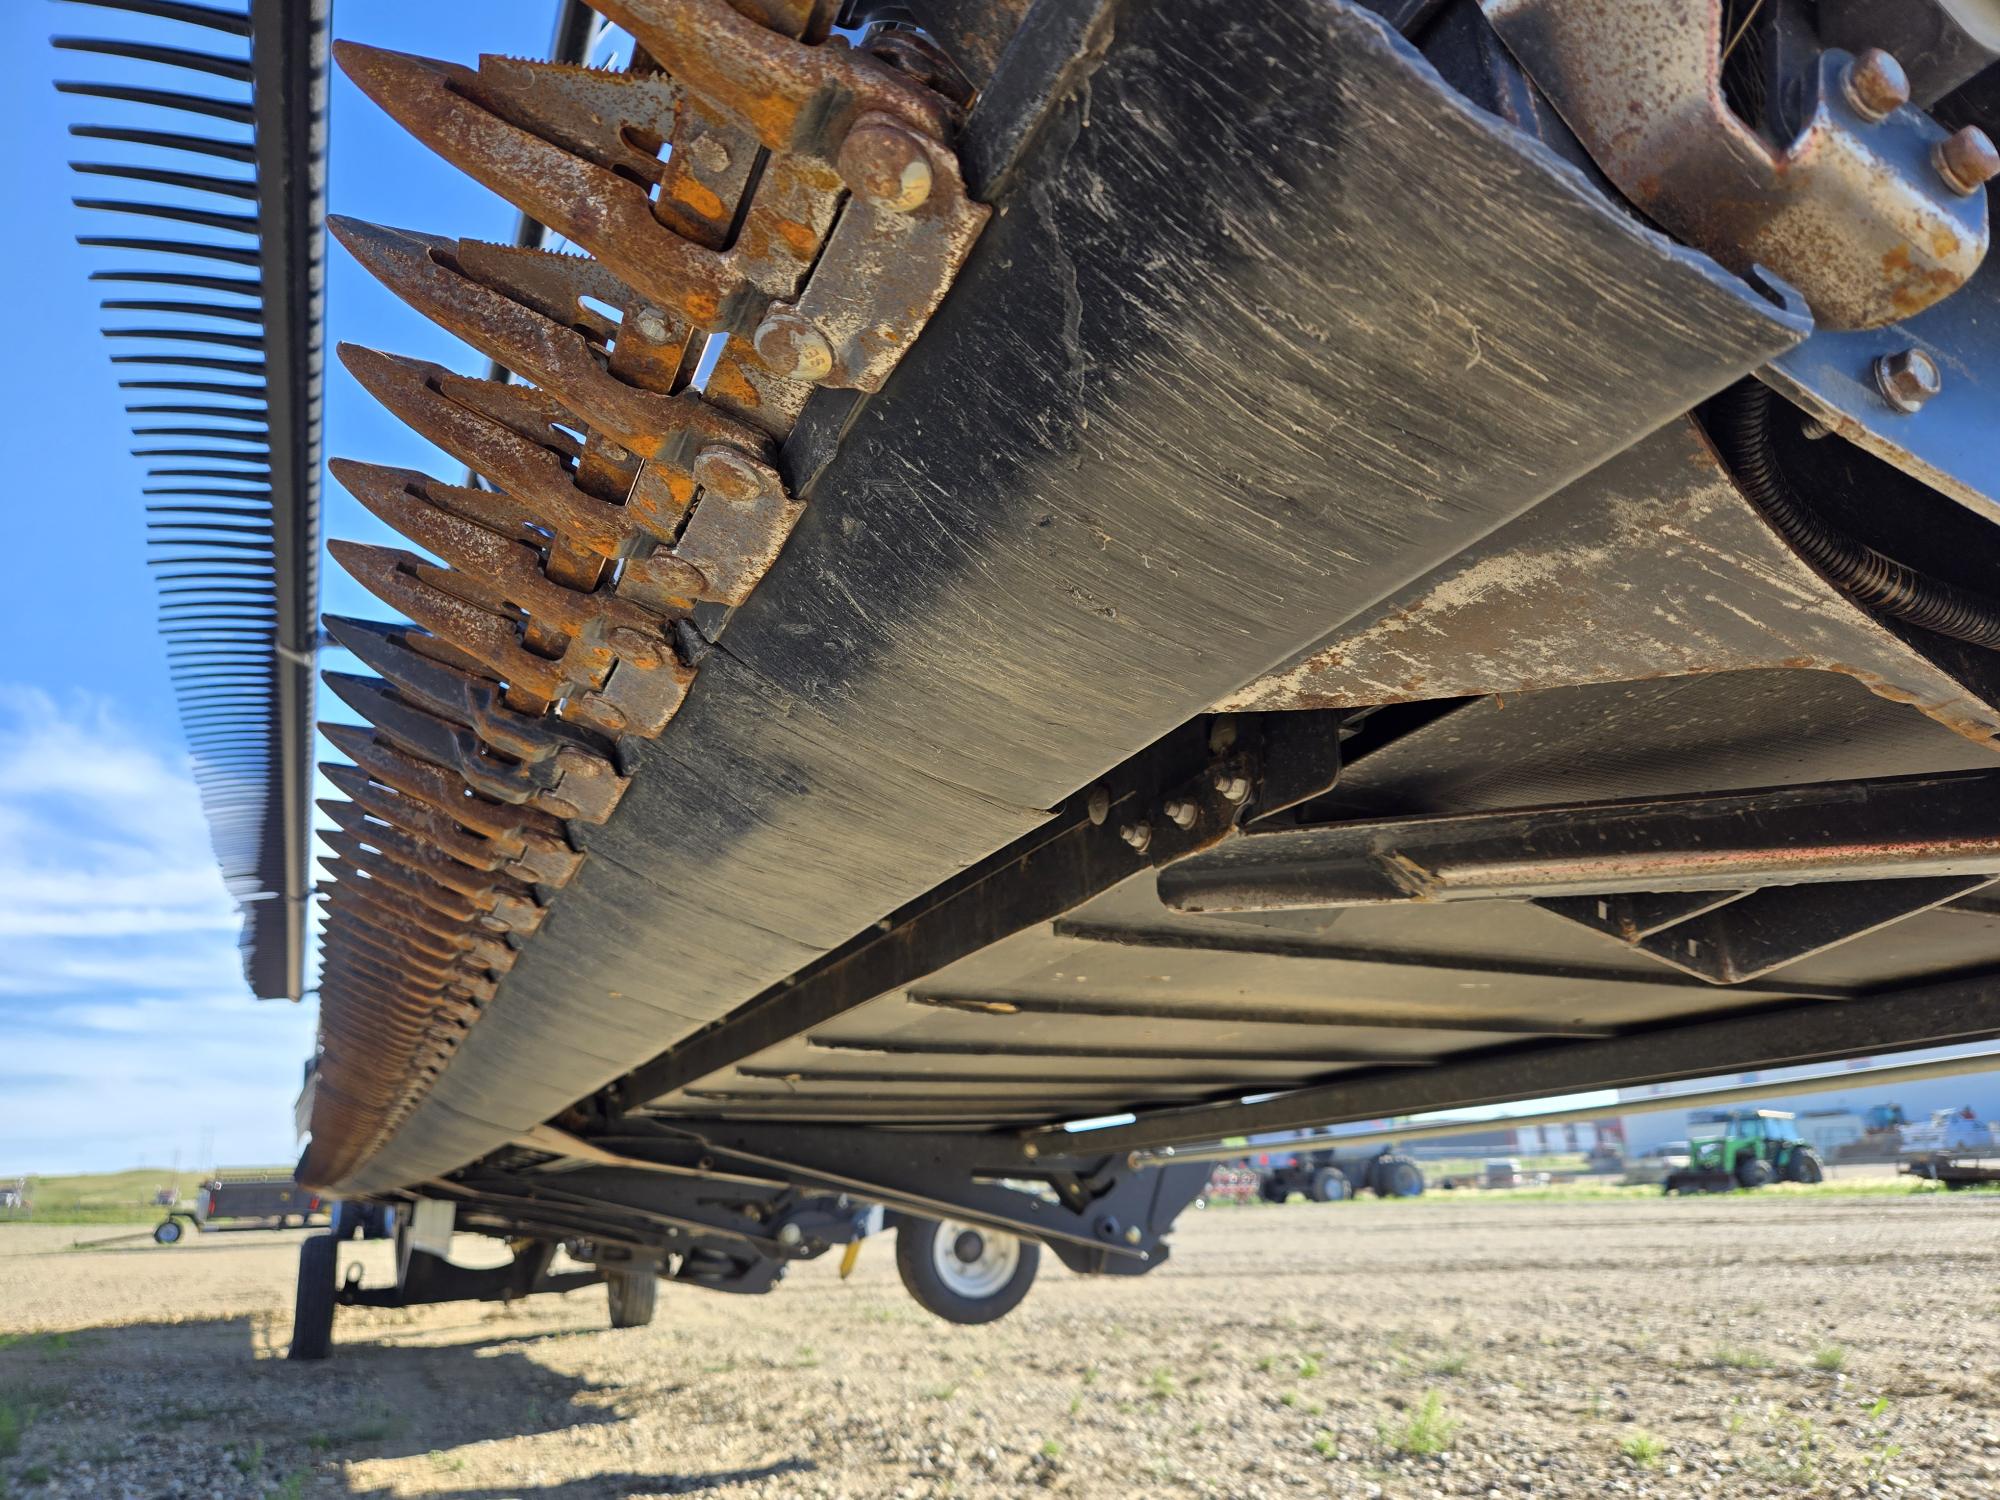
(1778, 1345)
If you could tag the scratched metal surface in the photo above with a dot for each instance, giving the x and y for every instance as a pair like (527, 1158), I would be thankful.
(1268, 324)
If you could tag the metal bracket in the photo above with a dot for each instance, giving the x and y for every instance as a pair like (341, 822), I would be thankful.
(1854, 212)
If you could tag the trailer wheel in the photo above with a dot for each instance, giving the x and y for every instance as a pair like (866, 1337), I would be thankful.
(633, 1295)
(1274, 1189)
(169, 1232)
(1396, 1177)
(1755, 1172)
(312, 1308)
(1330, 1185)
(965, 1273)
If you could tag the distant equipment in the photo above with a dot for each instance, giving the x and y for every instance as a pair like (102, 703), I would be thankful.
(1744, 1148)
(1328, 1176)
(235, 1197)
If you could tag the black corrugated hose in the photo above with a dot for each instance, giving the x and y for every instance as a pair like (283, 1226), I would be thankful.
(1870, 578)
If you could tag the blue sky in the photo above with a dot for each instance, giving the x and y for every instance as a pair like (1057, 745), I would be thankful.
(126, 1032)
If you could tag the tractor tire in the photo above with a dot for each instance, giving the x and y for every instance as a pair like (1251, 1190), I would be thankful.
(312, 1308)
(633, 1295)
(1755, 1172)
(1396, 1177)
(1330, 1185)
(1804, 1165)
(963, 1272)
(1274, 1190)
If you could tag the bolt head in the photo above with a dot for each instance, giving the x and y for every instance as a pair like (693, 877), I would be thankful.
(728, 473)
(1876, 85)
(1031, 1150)
(1967, 161)
(1907, 379)
(651, 326)
(793, 348)
(1138, 835)
(1098, 805)
(887, 165)
(1133, 1235)
(1182, 814)
(790, 1234)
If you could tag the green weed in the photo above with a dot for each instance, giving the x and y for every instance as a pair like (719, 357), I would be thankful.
(1424, 1431)
(1643, 1449)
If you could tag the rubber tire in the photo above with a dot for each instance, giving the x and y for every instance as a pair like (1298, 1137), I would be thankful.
(914, 1240)
(169, 1232)
(1330, 1185)
(633, 1296)
(312, 1308)
(1396, 1177)
(1804, 1165)
(1755, 1172)
(1272, 1190)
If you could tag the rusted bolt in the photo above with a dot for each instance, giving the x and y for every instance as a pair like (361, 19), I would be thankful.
(887, 165)
(1966, 161)
(706, 152)
(1098, 805)
(1138, 835)
(1876, 85)
(652, 327)
(1907, 379)
(1234, 788)
(1182, 813)
(727, 473)
(792, 347)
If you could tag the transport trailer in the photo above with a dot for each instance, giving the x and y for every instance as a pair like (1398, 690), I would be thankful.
(1330, 1177)
(274, 1199)
(1957, 1170)
(1186, 569)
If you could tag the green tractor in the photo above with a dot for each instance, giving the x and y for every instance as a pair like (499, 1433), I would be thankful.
(1744, 1148)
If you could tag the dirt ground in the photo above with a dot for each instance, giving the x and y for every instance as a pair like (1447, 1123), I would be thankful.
(1717, 1348)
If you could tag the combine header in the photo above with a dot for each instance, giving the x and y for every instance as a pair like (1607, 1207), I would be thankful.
(1220, 568)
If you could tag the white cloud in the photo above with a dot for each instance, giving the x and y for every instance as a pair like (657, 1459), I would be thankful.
(126, 1030)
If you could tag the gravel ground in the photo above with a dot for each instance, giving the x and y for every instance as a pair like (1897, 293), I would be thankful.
(1771, 1346)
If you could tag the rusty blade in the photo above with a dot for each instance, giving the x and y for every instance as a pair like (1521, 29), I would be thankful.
(428, 274)
(528, 835)
(426, 822)
(403, 581)
(538, 494)
(448, 108)
(434, 739)
(498, 567)
(568, 768)
(433, 881)
(791, 96)
(499, 897)
(356, 903)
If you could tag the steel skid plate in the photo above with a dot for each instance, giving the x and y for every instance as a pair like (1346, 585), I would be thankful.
(1267, 323)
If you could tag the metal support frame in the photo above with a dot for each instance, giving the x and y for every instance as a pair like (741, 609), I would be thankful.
(428, 1278)
(1963, 1010)
(1841, 831)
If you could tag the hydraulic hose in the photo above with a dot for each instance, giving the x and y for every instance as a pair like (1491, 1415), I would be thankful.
(1871, 579)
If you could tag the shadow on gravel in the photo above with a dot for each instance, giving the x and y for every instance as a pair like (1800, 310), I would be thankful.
(210, 1407)
(619, 1486)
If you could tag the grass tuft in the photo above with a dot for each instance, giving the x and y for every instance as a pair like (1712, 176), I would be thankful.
(1643, 1449)
(1424, 1431)
(1831, 1358)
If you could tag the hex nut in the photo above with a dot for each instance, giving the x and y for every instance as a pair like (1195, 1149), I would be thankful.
(1967, 160)
(1875, 85)
(1133, 1234)
(728, 473)
(1182, 813)
(888, 165)
(1907, 379)
(792, 347)
(1231, 786)
(1138, 835)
